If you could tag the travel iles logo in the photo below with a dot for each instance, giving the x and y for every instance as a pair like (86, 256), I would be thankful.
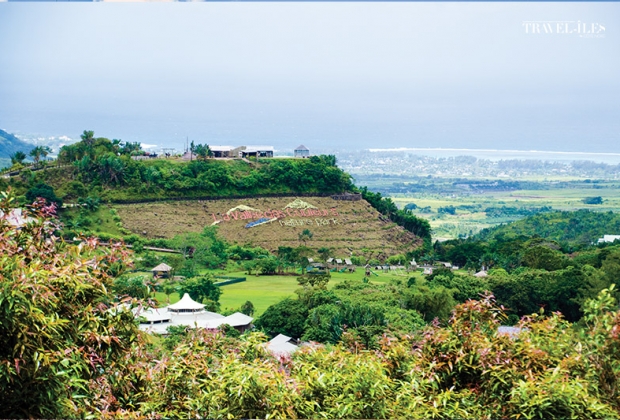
(564, 27)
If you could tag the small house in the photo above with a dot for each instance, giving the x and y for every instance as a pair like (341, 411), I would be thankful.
(301, 151)
(257, 151)
(220, 152)
(162, 271)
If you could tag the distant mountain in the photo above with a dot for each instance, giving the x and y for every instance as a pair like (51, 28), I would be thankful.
(10, 144)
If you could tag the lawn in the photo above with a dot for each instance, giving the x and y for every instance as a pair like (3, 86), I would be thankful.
(264, 291)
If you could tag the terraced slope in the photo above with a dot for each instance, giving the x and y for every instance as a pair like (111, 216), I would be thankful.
(344, 226)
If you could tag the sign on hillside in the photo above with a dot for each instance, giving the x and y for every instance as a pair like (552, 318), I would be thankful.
(295, 213)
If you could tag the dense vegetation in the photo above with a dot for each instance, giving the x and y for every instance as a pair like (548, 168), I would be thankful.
(426, 347)
(105, 168)
(74, 352)
(577, 228)
(418, 226)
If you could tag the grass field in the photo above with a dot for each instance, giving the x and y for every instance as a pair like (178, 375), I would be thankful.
(264, 291)
(466, 221)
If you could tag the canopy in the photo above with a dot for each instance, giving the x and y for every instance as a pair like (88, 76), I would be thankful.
(186, 304)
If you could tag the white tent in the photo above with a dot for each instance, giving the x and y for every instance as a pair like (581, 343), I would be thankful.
(186, 304)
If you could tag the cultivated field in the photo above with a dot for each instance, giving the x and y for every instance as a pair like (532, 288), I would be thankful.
(343, 226)
(471, 217)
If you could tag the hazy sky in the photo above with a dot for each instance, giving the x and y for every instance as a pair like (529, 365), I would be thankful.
(354, 75)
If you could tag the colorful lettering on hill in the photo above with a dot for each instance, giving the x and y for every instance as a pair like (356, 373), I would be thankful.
(281, 214)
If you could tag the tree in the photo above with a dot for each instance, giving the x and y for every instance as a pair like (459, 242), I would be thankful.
(168, 289)
(305, 235)
(131, 286)
(285, 317)
(44, 191)
(88, 138)
(543, 257)
(203, 151)
(314, 280)
(18, 157)
(247, 308)
(62, 333)
(90, 203)
(593, 200)
(39, 152)
(268, 265)
(201, 289)
(324, 253)
(111, 169)
(192, 150)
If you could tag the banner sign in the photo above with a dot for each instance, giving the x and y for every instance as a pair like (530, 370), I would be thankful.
(276, 214)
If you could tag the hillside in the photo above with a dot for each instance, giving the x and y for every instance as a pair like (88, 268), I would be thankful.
(579, 227)
(10, 144)
(160, 197)
(343, 226)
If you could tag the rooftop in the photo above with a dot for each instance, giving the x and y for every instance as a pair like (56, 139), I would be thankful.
(162, 267)
(253, 149)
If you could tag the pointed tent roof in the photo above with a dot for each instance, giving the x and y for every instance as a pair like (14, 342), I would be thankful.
(481, 273)
(186, 304)
(162, 267)
(301, 147)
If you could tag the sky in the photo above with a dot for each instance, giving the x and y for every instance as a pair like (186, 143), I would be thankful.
(328, 75)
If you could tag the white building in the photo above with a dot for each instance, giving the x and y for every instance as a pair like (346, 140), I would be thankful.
(608, 238)
(301, 151)
(257, 151)
(189, 313)
(281, 345)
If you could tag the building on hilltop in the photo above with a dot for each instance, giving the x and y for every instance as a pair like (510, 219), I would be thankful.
(226, 151)
(257, 151)
(302, 151)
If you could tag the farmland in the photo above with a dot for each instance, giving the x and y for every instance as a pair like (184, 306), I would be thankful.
(474, 212)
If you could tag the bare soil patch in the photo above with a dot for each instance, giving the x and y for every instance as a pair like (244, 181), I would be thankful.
(343, 226)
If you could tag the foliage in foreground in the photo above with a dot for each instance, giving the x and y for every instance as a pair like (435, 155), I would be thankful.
(60, 329)
(69, 355)
(463, 370)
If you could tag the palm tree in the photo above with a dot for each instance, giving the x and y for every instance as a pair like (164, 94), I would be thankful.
(18, 157)
(88, 137)
(38, 152)
(203, 151)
